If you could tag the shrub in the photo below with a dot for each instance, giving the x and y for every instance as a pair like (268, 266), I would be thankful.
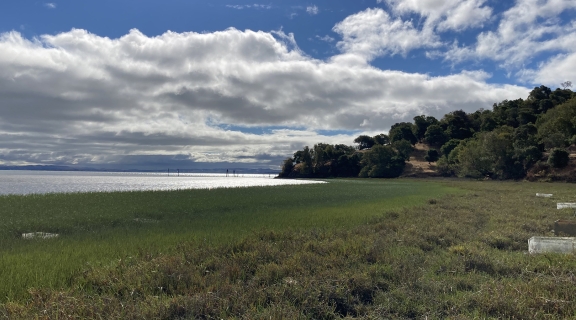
(432, 155)
(558, 158)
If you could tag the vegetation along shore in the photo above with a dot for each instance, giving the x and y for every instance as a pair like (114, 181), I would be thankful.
(532, 138)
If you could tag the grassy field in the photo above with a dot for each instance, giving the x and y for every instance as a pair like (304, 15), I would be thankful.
(96, 229)
(369, 249)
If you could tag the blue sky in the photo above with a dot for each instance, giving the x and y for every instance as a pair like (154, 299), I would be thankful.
(93, 83)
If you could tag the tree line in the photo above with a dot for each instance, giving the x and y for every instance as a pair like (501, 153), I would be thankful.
(502, 143)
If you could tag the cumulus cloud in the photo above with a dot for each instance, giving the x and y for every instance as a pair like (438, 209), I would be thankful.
(443, 15)
(78, 98)
(312, 10)
(552, 72)
(527, 29)
(373, 33)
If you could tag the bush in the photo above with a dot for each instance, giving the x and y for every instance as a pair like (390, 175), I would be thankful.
(558, 158)
(287, 168)
(432, 155)
(445, 168)
(449, 146)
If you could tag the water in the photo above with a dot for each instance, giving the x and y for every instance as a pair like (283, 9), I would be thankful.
(39, 182)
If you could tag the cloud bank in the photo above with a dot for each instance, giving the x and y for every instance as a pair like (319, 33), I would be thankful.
(79, 98)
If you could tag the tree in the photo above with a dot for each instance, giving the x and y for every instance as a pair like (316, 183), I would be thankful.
(381, 162)
(435, 135)
(287, 167)
(321, 153)
(306, 167)
(449, 146)
(404, 148)
(364, 142)
(525, 136)
(507, 112)
(566, 84)
(539, 93)
(402, 131)
(421, 124)
(528, 156)
(558, 125)
(457, 125)
(382, 139)
(348, 165)
(472, 160)
(558, 158)
(432, 155)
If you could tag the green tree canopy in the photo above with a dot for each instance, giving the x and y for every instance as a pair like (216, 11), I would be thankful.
(404, 148)
(402, 131)
(382, 139)
(382, 162)
(558, 125)
(364, 142)
(457, 125)
(435, 135)
(421, 124)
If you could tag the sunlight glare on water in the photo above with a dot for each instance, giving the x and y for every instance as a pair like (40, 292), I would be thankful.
(39, 182)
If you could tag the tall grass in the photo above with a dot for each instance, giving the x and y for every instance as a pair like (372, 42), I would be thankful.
(100, 229)
(460, 255)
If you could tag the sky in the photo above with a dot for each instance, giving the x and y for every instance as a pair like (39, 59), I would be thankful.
(141, 84)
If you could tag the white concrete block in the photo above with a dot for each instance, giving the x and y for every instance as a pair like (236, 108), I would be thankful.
(551, 244)
(565, 205)
(144, 220)
(39, 235)
(544, 195)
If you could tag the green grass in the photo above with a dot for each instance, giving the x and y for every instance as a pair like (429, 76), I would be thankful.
(372, 249)
(100, 229)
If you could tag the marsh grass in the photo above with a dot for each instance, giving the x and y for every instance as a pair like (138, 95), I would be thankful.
(462, 255)
(97, 229)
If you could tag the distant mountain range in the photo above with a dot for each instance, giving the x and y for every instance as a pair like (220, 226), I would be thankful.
(71, 168)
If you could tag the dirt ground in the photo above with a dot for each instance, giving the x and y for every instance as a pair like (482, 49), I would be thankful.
(417, 166)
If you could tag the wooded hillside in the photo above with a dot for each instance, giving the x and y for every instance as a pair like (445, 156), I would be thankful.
(524, 138)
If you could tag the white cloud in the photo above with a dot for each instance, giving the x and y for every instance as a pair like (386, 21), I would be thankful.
(444, 15)
(76, 97)
(312, 10)
(248, 6)
(529, 28)
(552, 72)
(50, 5)
(325, 38)
(373, 33)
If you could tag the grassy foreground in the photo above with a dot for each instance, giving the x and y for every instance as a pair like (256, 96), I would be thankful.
(458, 255)
(97, 229)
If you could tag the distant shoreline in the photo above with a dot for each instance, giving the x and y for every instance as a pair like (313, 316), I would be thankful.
(88, 169)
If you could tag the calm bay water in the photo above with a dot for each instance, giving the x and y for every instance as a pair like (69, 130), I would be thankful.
(38, 182)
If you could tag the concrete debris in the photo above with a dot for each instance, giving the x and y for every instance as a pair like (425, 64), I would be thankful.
(551, 244)
(39, 235)
(544, 195)
(566, 205)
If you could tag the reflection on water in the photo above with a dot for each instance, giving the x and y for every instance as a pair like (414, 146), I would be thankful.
(27, 182)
